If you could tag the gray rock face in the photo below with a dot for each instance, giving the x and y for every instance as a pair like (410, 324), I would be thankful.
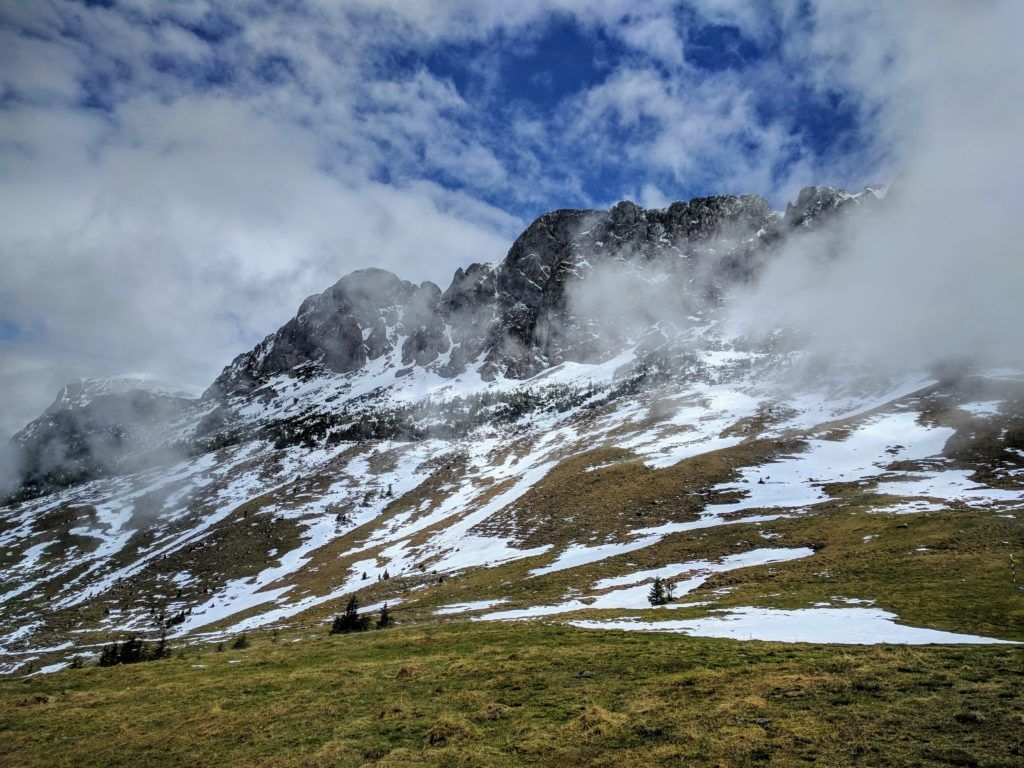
(534, 309)
(356, 320)
(426, 335)
(816, 205)
(470, 306)
(691, 245)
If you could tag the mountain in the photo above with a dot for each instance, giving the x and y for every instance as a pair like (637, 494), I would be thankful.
(542, 438)
(98, 427)
(516, 318)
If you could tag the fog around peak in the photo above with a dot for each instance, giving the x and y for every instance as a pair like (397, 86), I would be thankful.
(935, 272)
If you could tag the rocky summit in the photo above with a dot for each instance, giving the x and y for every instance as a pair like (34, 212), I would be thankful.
(517, 318)
(545, 304)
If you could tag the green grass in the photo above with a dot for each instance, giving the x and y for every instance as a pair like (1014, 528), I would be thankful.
(476, 694)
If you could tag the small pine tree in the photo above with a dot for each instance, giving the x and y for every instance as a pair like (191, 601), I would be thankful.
(350, 620)
(133, 651)
(661, 592)
(385, 617)
(386, 575)
(110, 655)
(241, 642)
(657, 594)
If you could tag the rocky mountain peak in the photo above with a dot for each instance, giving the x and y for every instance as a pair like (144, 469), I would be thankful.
(815, 205)
(576, 286)
(360, 318)
(81, 392)
(96, 427)
(519, 316)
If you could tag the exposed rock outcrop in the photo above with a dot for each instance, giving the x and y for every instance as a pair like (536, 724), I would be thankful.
(519, 317)
(358, 319)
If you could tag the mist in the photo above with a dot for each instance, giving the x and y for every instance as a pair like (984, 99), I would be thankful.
(935, 272)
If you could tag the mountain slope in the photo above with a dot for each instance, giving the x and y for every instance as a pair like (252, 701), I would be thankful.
(541, 439)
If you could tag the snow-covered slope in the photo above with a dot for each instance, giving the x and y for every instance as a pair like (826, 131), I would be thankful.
(454, 454)
(79, 394)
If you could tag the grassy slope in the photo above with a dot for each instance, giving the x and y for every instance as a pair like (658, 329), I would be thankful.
(457, 693)
(476, 694)
(946, 570)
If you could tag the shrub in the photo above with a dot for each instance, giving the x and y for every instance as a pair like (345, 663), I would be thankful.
(133, 651)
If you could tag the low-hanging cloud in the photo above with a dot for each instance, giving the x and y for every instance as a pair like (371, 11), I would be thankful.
(195, 232)
(935, 272)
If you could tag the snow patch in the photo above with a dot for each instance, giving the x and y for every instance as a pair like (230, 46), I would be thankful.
(848, 626)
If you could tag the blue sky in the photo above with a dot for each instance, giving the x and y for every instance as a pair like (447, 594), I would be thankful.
(176, 177)
(548, 105)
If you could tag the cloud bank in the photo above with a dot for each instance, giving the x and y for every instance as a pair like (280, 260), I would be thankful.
(935, 274)
(175, 179)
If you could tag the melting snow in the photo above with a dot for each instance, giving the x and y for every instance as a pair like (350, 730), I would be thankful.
(949, 484)
(910, 507)
(796, 481)
(635, 597)
(985, 408)
(476, 605)
(853, 626)
(50, 668)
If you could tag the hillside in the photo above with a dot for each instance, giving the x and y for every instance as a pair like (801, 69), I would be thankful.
(508, 465)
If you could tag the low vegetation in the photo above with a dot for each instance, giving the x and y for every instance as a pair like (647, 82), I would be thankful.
(478, 694)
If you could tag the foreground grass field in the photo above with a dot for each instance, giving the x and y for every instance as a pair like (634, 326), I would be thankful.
(481, 694)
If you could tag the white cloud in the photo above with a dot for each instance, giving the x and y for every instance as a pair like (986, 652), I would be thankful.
(937, 274)
(176, 236)
(165, 199)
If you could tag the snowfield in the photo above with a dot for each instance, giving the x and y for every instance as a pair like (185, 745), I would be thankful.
(633, 597)
(125, 527)
(845, 626)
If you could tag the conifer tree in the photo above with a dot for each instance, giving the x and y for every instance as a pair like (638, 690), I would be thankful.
(350, 620)
(661, 592)
(162, 650)
(338, 625)
(110, 655)
(385, 617)
(133, 651)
